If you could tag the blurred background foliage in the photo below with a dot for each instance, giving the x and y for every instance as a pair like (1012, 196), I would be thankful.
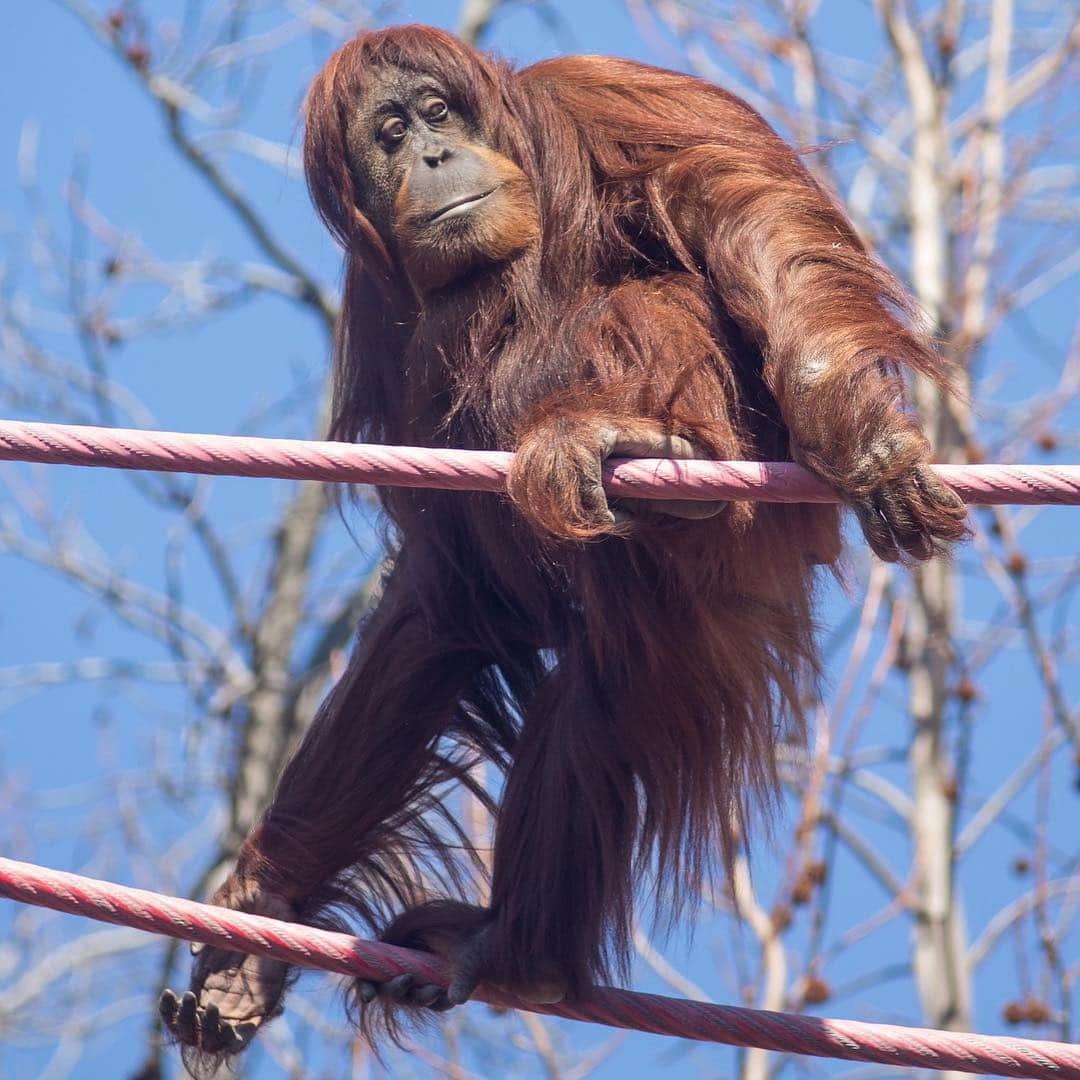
(165, 639)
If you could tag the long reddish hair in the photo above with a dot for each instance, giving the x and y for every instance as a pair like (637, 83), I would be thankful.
(684, 655)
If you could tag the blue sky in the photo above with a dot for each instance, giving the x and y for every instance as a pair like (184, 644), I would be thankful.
(79, 104)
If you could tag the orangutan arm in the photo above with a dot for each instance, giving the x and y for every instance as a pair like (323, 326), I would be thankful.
(828, 320)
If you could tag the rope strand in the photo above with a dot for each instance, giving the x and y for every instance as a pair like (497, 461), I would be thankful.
(790, 1033)
(486, 471)
(483, 470)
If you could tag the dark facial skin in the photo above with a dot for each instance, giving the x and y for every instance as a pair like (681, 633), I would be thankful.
(428, 181)
(406, 121)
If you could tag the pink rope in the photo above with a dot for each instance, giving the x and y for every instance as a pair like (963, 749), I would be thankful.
(482, 470)
(782, 1032)
(69, 444)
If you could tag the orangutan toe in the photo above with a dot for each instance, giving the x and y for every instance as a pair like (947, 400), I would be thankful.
(203, 1028)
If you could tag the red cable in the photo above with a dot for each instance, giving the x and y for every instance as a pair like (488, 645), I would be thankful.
(483, 470)
(486, 471)
(789, 1033)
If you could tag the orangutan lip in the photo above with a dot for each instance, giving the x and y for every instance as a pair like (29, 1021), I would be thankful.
(459, 205)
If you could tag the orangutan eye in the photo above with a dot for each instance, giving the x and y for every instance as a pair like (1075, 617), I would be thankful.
(393, 131)
(434, 110)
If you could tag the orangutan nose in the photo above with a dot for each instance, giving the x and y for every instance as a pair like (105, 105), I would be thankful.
(435, 158)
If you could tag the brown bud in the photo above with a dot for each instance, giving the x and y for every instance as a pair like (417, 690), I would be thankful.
(111, 267)
(115, 20)
(817, 871)
(1017, 563)
(816, 991)
(802, 891)
(1047, 442)
(950, 788)
(1021, 865)
(966, 691)
(1014, 1013)
(781, 918)
(139, 57)
(1038, 1012)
